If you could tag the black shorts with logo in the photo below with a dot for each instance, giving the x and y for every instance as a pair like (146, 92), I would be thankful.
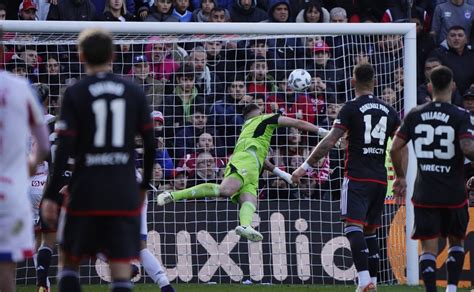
(118, 238)
(440, 222)
(362, 202)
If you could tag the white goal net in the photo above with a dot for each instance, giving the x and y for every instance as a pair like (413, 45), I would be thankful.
(197, 85)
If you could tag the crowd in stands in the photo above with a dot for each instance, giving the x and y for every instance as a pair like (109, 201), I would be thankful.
(197, 89)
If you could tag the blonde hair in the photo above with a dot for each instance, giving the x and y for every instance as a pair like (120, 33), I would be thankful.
(123, 10)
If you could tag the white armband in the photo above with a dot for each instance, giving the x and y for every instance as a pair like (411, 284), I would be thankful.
(322, 132)
(306, 166)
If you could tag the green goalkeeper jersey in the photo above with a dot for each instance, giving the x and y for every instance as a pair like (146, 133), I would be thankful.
(256, 135)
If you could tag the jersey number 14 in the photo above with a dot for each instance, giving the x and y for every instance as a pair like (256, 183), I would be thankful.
(377, 132)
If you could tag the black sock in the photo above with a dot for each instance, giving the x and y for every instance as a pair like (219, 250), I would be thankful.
(68, 281)
(454, 264)
(359, 249)
(43, 262)
(428, 271)
(121, 286)
(374, 254)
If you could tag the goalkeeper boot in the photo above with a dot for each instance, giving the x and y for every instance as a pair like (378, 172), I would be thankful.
(164, 198)
(249, 233)
(369, 288)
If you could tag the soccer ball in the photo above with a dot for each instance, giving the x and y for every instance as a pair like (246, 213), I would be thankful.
(299, 80)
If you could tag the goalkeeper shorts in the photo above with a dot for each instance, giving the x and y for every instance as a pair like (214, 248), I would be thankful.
(244, 166)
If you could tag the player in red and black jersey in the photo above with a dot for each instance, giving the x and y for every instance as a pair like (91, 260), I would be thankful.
(100, 117)
(442, 135)
(367, 122)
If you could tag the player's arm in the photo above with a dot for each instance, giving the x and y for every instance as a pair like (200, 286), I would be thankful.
(66, 133)
(399, 156)
(318, 152)
(268, 166)
(301, 125)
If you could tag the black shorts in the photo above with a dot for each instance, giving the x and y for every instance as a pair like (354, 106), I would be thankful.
(118, 238)
(440, 222)
(362, 202)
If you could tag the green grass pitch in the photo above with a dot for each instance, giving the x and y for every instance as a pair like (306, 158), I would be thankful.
(245, 288)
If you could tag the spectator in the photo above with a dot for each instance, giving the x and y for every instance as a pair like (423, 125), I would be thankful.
(205, 144)
(247, 11)
(3, 12)
(18, 67)
(160, 58)
(219, 14)
(292, 145)
(423, 95)
(29, 54)
(206, 81)
(158, 176)
(100, 6)
(185, 139)
(386, 57)
(468, 100)
(424, 46)
(154, 89)
(219, 62)
(399, 13)
(317, 94)
(202, 14)
(313, 13)
(158, 123)
(338, 15)
(457, 55)
(163, 157)
(27, 10)
(226, 4)
(292, 104)
(389, 96)
(50, 73)
(181, 10)
(183, 96)
(180, 179)
(160, 12)
(449, 14)
(206, 170)
(324, 67)
(72, 10)
(259, 81)
(225, 113)
(116, 10)
(279, 11)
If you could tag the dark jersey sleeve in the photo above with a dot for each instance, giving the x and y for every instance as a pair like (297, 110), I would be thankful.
(344, 117)
(466, 127)
(404, 131)
(396, 122)
(273, 119)
(145, 128)
(66, 130)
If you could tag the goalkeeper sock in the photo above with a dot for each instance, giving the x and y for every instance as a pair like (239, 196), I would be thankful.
(428, 271)
(360, 253)
(42, 265)
(454, 264)
(197, 192)
(153, 268)
(247, 209)
(374, 251)
(68, 281)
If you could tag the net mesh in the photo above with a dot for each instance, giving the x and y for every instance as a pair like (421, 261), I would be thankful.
(197, 86)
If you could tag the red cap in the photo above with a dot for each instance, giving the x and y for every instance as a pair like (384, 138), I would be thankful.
(321, 47)
(26, 5)
(157, 116)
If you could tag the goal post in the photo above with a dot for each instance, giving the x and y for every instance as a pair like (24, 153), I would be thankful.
(300, 255)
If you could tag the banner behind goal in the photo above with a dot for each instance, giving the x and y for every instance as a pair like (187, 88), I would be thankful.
(198, 77)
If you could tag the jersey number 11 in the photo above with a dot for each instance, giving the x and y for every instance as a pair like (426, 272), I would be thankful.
(101, 110)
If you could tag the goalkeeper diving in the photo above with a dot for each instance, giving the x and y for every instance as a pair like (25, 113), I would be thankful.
(241, 175)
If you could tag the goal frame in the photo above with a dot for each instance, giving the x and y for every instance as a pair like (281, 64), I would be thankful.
(408, 30)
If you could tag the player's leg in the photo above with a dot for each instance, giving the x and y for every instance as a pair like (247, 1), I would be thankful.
(68, 275)
(374, 220)
(248, 203)
(150, 263)
(429, 250)
(455, 228)
(427, 229)
(43, 259)
(7, 276)
(354, 209)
